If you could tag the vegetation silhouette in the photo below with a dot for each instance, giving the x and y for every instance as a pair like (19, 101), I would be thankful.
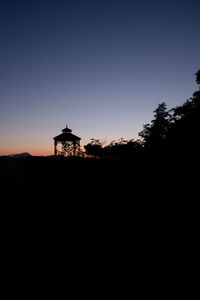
(116, 150)
(185, 125)
(155, 134)
(171, 133)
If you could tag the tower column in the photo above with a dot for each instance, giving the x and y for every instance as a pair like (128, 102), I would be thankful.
(74, 148)
(55, 147)
(78, 148)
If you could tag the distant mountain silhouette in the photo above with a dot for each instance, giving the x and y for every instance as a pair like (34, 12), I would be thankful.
(20, 155)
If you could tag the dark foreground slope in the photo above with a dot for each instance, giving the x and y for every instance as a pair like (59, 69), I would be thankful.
(55, 170)
(151, 174)
(91, 228)
(45, 170)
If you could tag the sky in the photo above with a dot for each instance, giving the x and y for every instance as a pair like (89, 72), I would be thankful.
(101, 67)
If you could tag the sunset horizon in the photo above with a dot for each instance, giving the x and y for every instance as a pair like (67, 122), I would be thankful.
(100, 66)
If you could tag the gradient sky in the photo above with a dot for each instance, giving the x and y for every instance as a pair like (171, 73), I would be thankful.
(99, 66)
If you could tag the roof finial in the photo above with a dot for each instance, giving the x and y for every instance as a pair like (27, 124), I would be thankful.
(66, 129)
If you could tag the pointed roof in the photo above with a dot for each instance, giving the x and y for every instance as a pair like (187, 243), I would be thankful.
(66, 136)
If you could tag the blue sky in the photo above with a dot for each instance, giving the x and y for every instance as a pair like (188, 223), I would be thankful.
(99, 66)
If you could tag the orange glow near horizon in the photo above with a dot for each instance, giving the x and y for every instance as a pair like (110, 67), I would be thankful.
(39, 148)
(33, 150)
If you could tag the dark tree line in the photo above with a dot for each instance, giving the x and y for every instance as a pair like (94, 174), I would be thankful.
(121, 149)
(171, 131)
(176, 129)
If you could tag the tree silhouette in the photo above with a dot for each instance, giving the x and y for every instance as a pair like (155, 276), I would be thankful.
(198, 77)
(175, 131)
(94, 148)
(117, 150)
(122, 149)
(154, 134)
(184, 132)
